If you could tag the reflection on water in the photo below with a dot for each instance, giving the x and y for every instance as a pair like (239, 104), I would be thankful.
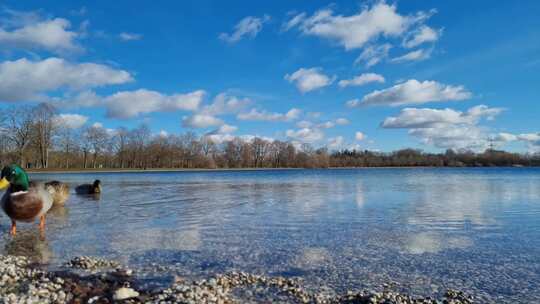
(30, 244)
(425, 229)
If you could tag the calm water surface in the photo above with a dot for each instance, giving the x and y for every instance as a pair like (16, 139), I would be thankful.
(422, 230)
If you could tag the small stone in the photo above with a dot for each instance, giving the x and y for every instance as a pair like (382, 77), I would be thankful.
(125, 293)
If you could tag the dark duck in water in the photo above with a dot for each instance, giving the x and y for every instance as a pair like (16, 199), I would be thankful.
(94, 188)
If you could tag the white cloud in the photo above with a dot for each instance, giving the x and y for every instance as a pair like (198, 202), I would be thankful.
(294, 21)
(361, 80)
(254, 114)
(425, 118)
(220, 138)
(129, 36)
(446, 128)
(248, 27)
(421, 35)
(34, 33)
(418, 55)
(359, 136)
(225, 104)
(227, 129)
(201, 121)
(304, 124)
(353, 103)
(306, 135)
(453, 137)
(71, 121)
(531, 139)
(307, 80)
(336, 143)
(372, 55)
(127, 104)
(414, 92)
(428, 118)
(353, 32)
(326, 125)
(24, 80)
(163, 133)
(342, 121)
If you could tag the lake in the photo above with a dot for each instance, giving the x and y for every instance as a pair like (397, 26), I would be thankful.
(419, 230)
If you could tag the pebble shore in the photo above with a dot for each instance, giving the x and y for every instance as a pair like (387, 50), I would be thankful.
(94, 280)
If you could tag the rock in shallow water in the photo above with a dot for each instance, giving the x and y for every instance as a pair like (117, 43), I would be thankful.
(124, 293)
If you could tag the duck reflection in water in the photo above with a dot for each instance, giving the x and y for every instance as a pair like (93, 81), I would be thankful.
(31, 244)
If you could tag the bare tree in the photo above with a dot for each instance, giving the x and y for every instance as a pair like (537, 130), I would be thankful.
(96, 137)
(44, 128)
(18, 128)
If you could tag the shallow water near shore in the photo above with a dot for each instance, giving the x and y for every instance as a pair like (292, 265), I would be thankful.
(420, 230)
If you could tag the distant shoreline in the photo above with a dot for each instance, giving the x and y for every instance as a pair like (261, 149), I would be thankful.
(130, 170)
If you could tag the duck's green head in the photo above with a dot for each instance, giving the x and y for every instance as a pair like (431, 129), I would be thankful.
(15, 176)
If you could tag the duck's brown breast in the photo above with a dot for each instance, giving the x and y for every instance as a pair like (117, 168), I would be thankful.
(23, 206)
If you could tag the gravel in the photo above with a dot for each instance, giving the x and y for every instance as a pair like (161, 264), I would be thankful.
(105, 281)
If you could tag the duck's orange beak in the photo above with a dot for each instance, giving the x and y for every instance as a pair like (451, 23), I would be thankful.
(3, 183)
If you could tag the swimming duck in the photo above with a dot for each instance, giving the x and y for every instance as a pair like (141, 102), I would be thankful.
(94, 188)
(22, 202)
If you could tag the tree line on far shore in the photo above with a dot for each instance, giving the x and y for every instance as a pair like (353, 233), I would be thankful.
(33, 138)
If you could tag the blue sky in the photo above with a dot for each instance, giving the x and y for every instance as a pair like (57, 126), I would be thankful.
(345, 74)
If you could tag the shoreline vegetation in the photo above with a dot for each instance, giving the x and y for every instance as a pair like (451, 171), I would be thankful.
(94, 280)
(165, 170)
(35, 138)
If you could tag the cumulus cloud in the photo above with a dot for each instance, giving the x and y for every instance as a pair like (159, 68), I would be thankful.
(255, 114)
(336, 143)
(24, 80)
(225, 104)
(29, 31)
(372, 55)
(359, 136)
(305, 135)
(446, 128)
(71, 121)
(429, 118)
(342, 121)
(227, 129)
(353, 103)
(361, 80)
(248, 27)
(127, 104)
(307, 80)
(326, 125)
(531, 139)
(505, 137)
(353, 32)
(201, 121)
(421, 35)
(129, 36)
(304, 124)
(413, 92)
(418, 55)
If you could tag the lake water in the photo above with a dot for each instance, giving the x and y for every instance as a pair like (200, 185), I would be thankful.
(421, 230)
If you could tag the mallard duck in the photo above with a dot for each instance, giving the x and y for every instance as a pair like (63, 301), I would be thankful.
(94, 188)
(58, 190)
(22, 202)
